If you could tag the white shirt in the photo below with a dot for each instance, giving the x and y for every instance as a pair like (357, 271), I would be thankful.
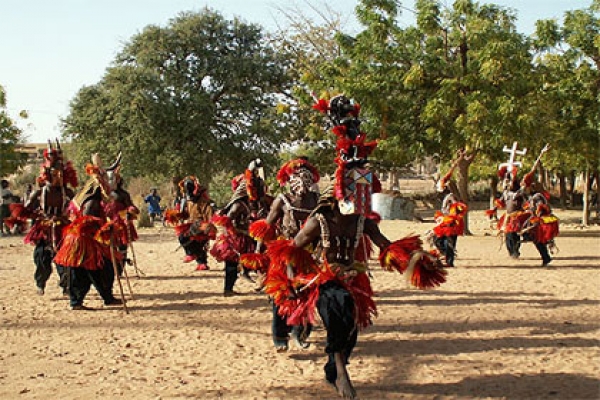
(7, 196)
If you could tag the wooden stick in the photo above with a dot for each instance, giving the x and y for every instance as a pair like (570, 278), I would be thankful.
(127, 280)
(135, 266)
(114, 263)
(545, 149)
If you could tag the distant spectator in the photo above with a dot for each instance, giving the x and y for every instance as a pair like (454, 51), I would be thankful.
(28, 192)
(177, 202)
(153, 200)
(7, 198)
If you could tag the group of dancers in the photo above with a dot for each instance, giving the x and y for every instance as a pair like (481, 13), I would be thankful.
(309, 250)
(527, 213)
(85, 233)
(526, 217)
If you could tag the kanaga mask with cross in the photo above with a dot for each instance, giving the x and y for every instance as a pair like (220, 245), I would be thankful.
(354, 182)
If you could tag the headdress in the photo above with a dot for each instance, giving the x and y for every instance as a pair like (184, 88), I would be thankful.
(354, 182)
(191, 186)
(54, 163)
(250, 184)
(508, 171)
(442, 184)
(292, 167)
(101, 179)
(254, 178)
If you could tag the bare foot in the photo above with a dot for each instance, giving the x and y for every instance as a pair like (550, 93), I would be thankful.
(300, 342)
(344, 387)
(342, 383)
(281, 348)
(246, 276)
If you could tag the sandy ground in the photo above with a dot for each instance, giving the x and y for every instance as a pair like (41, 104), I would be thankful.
(498, 329)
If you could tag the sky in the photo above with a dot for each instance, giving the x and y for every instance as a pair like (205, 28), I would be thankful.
(50, 49)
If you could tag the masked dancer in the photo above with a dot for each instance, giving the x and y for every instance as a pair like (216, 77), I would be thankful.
(286, 216)
(450, 219)
(192, 222)
(121, 211)
(88, 247)
(324, 266)
(47, 206)
(248, 204)
(512, 201)
(542, 226)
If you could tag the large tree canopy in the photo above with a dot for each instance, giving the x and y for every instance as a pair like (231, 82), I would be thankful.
(461, 78)
(196, 96)
(569, 63)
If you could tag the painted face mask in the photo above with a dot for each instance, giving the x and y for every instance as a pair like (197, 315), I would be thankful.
(190, 188)
(52, 167)
(301, 182)
(300, 174)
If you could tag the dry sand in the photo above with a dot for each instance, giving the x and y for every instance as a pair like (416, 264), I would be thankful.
(498, 329)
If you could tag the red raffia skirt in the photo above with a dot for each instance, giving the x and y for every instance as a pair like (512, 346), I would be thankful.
(80, 248)
(546, 230)
(514, 221)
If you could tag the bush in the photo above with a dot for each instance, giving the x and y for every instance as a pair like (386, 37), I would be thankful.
(144, 218)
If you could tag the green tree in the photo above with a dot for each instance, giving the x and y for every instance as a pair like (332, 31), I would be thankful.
(373, 68)
(197, 96)
(569, 62)
(310, 42)
(10, 137)
(461, 78)
(479, 68)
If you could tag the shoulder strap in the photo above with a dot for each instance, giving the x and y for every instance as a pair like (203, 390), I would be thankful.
(325, 234)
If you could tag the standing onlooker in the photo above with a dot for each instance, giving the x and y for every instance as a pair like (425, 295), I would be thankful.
(5, 200)
(28, 192)
(153, 200)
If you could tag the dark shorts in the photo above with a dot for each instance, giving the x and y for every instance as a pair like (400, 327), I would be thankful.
(4, 211)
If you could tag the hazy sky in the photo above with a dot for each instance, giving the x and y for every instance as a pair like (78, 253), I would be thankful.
(49, 49)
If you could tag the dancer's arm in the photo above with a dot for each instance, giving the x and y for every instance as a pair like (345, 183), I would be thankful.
(372, 230)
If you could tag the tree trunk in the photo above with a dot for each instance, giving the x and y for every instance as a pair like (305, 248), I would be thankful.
(585, 218)
(542, 176)
(562, 190)
(572, 189)
(597, 174)
(462, 179)
(493, 190)
(394, 183)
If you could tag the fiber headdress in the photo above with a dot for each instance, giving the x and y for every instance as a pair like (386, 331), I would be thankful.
(250, 184)
(292, 167)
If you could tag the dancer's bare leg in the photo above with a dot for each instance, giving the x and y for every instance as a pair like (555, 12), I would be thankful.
(343, 383)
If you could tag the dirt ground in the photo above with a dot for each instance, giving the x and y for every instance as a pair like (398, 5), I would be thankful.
(498, 329)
